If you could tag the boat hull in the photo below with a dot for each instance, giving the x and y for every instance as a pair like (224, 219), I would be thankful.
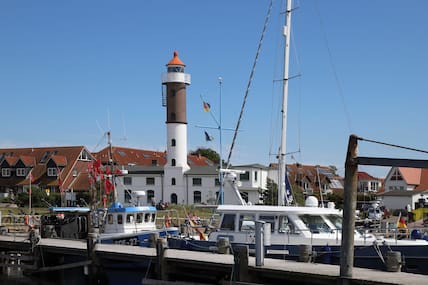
(414, 258)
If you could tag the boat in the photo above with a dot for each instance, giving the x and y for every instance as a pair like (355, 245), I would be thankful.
(131, 224)
(305, 233)
(308, 232)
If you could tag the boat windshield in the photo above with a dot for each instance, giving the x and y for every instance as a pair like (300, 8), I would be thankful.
(315, 224)
(228, 222)
(336, 220)
(246, 223)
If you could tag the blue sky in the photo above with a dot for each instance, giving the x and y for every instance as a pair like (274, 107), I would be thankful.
(70, 70)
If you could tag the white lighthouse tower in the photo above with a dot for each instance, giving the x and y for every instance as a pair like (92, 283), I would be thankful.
(176, 125)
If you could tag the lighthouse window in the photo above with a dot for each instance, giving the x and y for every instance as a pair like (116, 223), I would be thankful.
(173, 142)
(175, 69)
(173, 162)
(173, 116)
(172, 181)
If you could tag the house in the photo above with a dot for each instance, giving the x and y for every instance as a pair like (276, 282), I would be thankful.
(148, 174)
(404, 187)
(53, 169)
(310, 179)
(252, 182)
(368, 183)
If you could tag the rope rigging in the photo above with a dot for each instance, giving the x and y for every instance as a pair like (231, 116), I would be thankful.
(392, 145)
(249, 84)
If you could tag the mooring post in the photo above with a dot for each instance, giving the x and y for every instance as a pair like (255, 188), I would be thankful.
(349, 207)
(240, 266)
(162, 270)
(260, 249)
(90, 244)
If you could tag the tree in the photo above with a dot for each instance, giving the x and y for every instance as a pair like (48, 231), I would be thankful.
(270, 196)
(208, 153)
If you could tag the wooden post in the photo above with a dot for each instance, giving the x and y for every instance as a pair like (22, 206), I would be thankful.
(162, 270)
(90, 245)
(349, 207)
(240, 266)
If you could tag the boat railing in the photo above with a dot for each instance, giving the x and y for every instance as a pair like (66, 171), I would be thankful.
(18, 223)
(409, 233)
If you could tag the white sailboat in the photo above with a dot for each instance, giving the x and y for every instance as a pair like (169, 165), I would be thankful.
(316, 227)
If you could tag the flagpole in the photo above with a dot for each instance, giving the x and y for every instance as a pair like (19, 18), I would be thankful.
(29, 196)
(220, 81)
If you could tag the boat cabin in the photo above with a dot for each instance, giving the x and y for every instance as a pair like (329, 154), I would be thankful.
(65, 222)
(287, 223)
(129, 219)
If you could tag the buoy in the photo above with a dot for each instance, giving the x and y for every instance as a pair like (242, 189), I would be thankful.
(223, 245)
(305, 252)
(167, 221)
(27, 220)
(393, 261)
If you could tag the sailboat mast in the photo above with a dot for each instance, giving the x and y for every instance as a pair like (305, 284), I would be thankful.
(282, 197)
(111, 165)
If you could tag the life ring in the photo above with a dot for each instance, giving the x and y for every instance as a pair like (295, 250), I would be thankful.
(167, 221)
(36, 219)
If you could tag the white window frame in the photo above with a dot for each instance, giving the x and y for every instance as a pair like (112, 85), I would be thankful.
(5, 172)
(21, 171)
(52, 171)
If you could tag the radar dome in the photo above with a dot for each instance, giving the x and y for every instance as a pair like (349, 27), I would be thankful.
(311, 201)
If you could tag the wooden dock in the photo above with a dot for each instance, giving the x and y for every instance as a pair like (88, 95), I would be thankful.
(168, 265)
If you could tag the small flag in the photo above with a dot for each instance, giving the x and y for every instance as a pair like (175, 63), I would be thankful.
(58, 172)
(207, 106)
(108, 186)
(31, 176)
(288, 192)
(208, 138)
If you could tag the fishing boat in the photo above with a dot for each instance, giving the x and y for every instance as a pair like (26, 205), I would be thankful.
(131, 224)
(311, 232)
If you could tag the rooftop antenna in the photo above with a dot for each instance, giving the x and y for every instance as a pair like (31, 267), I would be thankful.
(124, 138)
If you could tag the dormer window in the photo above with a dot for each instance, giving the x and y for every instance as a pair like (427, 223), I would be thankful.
(84, 155)
(52, 171)
(21, 172)
(5, 172)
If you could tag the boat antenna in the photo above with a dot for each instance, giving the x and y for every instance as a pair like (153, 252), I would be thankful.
(111, 164)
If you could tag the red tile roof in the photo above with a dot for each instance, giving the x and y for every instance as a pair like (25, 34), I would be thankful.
(365, 176)
(130, 156)
(65, 157)
(412, 176)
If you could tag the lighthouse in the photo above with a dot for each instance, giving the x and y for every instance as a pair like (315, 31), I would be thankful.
(174, 99)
